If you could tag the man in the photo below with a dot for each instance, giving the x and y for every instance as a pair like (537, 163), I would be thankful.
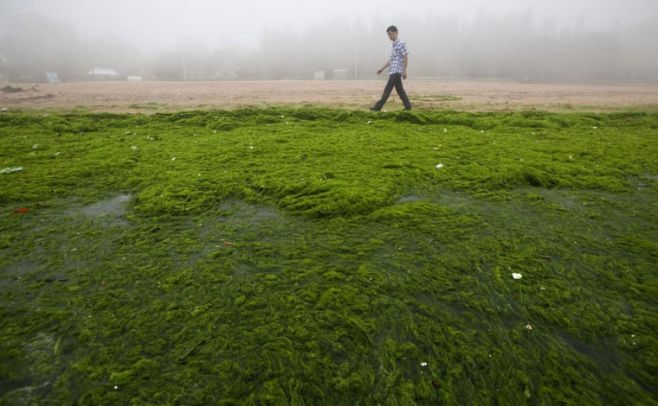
(397, 70)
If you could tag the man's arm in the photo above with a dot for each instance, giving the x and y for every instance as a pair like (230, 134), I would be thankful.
(383, 67)
(406, 62)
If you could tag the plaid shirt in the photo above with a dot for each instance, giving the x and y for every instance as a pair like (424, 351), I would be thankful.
(396, 64)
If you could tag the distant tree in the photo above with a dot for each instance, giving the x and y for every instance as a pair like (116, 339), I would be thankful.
(34, 44)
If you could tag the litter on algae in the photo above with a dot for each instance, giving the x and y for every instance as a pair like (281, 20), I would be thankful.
(316, 256)
(11, 169)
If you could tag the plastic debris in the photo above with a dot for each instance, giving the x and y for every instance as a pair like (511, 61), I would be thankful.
(134, 147)
(21, 210)
(439, 166)
(35, 146)
(423, 364)
(173, 159)
(369, 122)
(445, 130)
(528, 327)
(517, 276)
(11, 169)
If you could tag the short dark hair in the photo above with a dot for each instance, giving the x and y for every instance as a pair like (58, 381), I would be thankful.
(392, 28)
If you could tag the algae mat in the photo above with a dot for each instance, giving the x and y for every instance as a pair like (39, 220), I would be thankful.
(315, 256)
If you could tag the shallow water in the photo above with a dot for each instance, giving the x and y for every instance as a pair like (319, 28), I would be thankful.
(115, 206)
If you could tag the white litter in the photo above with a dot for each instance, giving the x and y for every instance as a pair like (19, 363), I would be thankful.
(369, 122)
(423, 364)
(35, 146)
(173, 159)
(439, 166)
(528, 327)
(445, 130)
(11, 169)
(517, 276)
(134, 148)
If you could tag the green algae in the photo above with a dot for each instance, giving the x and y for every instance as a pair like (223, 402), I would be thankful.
(315, 256)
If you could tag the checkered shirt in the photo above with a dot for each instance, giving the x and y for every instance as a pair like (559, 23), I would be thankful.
(396, 64)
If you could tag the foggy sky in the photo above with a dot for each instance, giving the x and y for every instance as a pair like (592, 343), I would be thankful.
(155, 25)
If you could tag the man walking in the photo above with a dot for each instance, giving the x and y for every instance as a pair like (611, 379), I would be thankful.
(397, 70)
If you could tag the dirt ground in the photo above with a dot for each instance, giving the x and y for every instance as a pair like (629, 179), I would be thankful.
(148, 96)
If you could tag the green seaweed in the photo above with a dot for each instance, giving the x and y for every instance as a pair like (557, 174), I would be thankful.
(318, 256)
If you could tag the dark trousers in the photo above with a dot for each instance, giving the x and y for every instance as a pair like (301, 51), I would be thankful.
(394, 80)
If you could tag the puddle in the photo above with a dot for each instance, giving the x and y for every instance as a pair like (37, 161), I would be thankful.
(110, 212)
(562, 198)
(16, 272)
(603, 357)
(114, 207)
(237, 212)
(456, 200)
(444, 198)
(408, 199)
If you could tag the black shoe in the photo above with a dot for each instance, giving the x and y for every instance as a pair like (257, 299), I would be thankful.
(374, 109)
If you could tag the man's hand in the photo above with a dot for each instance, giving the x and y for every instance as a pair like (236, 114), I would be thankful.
(379, 72)
(404, 75)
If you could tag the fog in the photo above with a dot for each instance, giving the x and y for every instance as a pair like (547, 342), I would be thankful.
(585, 41)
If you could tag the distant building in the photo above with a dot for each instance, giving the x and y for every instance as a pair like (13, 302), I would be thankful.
(52, 77)
(102, 74)
(340, 74)
(319, 75)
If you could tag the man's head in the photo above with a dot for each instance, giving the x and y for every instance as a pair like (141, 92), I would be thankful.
(392, 32)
